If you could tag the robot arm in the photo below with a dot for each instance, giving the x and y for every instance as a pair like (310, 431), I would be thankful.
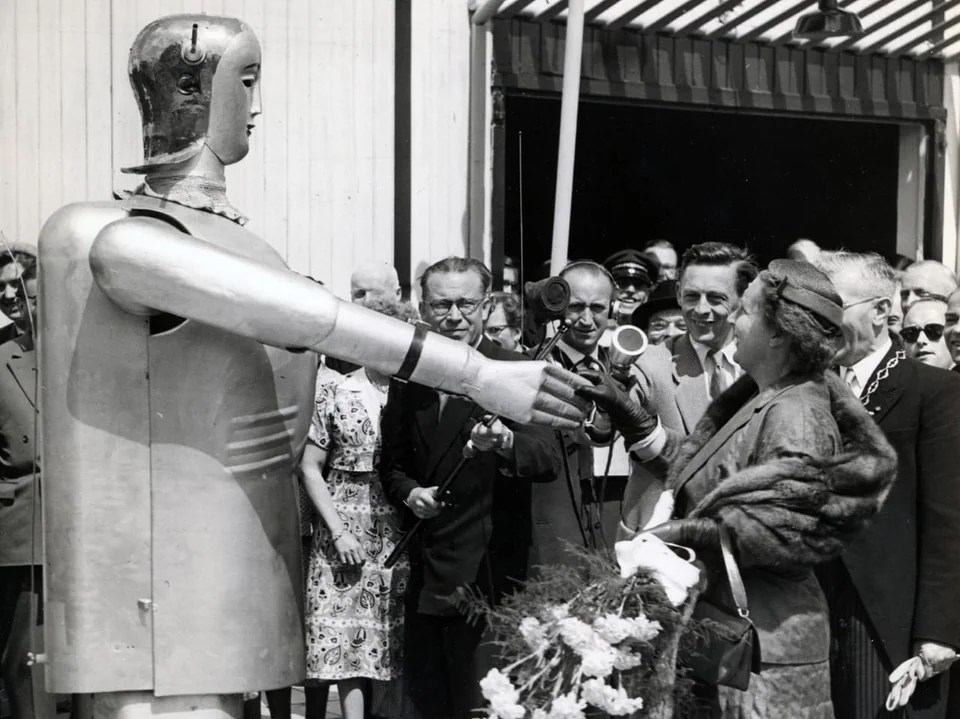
(146, 266)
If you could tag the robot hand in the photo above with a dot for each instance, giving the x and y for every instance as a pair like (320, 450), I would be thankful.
(530, 393)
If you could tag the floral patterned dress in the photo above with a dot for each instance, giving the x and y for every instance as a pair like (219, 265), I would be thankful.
(354, 623)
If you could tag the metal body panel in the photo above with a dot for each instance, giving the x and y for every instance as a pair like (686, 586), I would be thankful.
(174, 549)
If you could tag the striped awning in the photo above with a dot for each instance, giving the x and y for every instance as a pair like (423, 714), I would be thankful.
(919, 28)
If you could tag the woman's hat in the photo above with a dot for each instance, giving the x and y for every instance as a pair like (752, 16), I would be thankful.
(804, 285)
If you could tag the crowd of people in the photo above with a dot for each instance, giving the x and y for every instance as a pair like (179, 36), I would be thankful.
(740, 378)
(800, 369)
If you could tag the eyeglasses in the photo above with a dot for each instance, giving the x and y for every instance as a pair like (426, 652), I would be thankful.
(933, 332)
(660, 324)
(441, 308)
(848, 305)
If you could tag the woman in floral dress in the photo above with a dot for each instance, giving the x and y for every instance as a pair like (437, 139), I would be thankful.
(354, 622)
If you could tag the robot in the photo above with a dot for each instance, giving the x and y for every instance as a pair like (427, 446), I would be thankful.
(177, 358)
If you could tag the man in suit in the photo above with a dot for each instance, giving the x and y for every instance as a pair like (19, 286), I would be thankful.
(893, 594)
(479, 534)
(677, 380)
(568, 511)
(21, 547)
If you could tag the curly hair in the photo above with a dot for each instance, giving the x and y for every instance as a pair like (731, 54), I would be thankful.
(814, 342)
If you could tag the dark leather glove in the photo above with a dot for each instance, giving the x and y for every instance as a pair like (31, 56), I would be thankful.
(697, 533)
(626, 416)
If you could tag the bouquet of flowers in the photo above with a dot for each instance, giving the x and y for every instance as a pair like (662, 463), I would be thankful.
(594, 636)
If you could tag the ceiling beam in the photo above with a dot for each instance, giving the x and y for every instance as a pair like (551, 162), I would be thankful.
(741, 18)
(660, 24)
(699, 22)
(882, 23)
(933, 32)
(595, 12)
(631, 14)
(551, 11)
(901, 31)
(774, 21)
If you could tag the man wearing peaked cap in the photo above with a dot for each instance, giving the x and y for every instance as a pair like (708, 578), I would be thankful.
(636, 273)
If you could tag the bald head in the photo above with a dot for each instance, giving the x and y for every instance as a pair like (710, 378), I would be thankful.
(926, 279)
(374, 281)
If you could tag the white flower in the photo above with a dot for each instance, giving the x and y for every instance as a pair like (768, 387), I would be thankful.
(598, 662)
(539, 714)
(615, 702)
(503, 697)
(576, 634)
(534, 634)
(613, 628)
(567, 706)
(626, 660)
(557, 611)
(644, 629)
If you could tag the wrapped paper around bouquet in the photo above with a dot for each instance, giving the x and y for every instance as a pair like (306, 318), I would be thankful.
(727, 647)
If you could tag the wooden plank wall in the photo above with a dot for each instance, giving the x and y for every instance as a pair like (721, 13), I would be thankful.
(318, 183)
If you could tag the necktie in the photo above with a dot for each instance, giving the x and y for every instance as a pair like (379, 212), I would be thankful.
(719, 377)
(589, 363)
(850, 377)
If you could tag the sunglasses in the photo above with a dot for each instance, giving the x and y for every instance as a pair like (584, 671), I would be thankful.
(911, 334)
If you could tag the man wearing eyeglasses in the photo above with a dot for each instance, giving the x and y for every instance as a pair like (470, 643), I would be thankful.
(893, 594)
(479, 535)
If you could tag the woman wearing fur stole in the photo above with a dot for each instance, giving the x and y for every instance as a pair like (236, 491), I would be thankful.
(790, 463)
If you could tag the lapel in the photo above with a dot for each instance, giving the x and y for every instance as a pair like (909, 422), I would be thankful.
(889, 390)
(691, 396)
(426, 407)
(20, 368)
(719, 438)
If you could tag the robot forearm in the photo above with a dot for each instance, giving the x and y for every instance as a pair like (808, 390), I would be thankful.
(146, 266)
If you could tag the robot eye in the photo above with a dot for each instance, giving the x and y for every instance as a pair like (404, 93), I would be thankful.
(188, 84)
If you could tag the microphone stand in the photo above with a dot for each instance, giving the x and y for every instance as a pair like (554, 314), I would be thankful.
(468, 453)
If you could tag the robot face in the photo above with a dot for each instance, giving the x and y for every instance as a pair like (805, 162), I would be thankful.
(235, 102)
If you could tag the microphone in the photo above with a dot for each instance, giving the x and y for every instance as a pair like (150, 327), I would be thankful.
(628, 343)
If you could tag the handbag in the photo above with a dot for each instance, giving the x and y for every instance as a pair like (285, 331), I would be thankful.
(727, 648)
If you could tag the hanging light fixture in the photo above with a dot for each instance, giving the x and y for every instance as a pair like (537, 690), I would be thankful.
(828, 21)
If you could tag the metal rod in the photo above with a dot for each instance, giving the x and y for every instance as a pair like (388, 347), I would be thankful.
(445, 485)
(569, 105)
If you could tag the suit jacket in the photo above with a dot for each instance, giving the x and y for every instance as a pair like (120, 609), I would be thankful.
(672, 381)
(484, 538)
(20, 528)
(904, 566)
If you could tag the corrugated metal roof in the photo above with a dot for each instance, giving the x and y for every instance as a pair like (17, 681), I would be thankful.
(918, 28)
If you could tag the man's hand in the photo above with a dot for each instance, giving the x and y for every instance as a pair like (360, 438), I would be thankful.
(936, 657)
(627, 417)
(529, 393)
(423, 502)
(497, 437)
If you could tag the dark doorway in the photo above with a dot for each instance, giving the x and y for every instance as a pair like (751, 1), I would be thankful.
(689, 176)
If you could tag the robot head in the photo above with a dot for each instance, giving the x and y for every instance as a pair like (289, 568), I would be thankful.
(196, 78)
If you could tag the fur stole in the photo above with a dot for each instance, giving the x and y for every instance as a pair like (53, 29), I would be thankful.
(794, 512)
